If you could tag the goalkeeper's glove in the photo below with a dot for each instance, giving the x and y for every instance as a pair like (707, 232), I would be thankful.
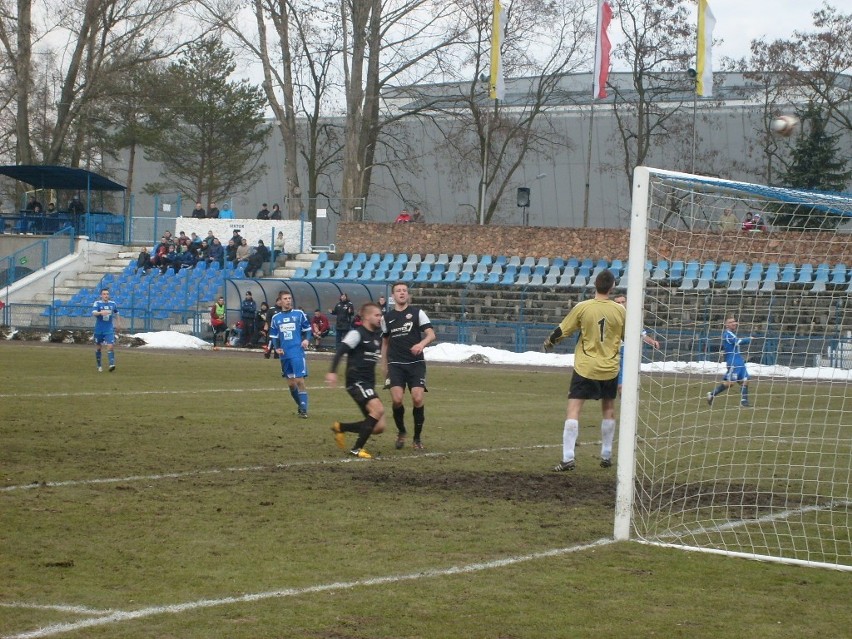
(547, 346)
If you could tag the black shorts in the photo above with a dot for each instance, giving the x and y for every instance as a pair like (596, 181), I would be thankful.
(584, 388)
(408, 375)
(362, 393)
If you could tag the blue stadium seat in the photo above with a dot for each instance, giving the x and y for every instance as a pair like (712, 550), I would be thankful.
(839, 276)
(543, 262)
(738, 275)
(787, 275)
(706, 276)
(486, 260)
(537, 279)
(361, 258)
(690, 276)
(465, 277)
(805, 275)
(442, 259)
(501, 260)
(416, 258)
(478, 278)
(529, 262)
(429, 258)
(299, 274)
(496, 268)
(514, 261)
(821, 277)
(493, 278)
(451, 277)
(558, 262)
(411, 267)
(387, 259)
(552, 278)
(755, 277)
(770, 278)
(457, 259)
(660, 272)
(401, 259)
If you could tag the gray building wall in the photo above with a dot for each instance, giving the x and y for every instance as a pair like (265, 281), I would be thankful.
(727, 144)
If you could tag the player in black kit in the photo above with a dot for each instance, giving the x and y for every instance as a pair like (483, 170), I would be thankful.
(363, 345)
(407, 331)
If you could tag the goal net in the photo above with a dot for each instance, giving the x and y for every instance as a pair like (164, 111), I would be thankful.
(761, 469)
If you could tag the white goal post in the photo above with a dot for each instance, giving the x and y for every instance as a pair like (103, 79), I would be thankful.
(766, 472)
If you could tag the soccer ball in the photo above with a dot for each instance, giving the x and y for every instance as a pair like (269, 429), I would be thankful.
(784, 125)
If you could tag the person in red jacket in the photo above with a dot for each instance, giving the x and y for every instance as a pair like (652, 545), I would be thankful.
(217, 320)
(320, 328)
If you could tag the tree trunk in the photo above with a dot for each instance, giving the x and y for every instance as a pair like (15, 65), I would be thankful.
(24, 152)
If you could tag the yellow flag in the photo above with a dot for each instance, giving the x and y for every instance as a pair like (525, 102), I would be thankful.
(498, 26)
(706, 24)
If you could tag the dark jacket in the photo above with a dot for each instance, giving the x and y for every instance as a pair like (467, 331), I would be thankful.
(343, 312)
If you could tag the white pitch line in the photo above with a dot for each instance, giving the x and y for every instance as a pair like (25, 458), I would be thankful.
(77, 610)
(143, 613)
(193, 391)
(258, 469)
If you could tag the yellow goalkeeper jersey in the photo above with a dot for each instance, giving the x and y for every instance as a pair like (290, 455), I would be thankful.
(601, 326)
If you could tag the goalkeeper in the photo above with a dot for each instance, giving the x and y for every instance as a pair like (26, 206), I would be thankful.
(600, 322)
(736, 371)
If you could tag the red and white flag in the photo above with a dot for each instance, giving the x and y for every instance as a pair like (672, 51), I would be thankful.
(602, 50)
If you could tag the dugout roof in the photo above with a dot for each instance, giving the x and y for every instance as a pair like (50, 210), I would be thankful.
(60, 177)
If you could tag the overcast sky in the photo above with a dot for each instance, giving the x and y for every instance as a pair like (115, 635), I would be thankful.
(738, 22)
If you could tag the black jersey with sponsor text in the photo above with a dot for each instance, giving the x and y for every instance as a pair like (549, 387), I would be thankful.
(403, 330)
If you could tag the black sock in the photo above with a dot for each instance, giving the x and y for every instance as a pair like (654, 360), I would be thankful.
(366, 430)
(399, 418)
(419, 418)
(351, 427)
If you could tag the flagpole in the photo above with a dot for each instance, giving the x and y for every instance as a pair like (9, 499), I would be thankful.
(588, 167)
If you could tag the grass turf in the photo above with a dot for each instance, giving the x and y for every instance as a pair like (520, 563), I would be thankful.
(188, 477)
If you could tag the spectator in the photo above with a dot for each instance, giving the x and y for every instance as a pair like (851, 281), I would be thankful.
(143, 262)
(194, 242)
(748, 222)
(276, 212)
(186, 258)
(319, 328)
(170, 260)
(279, 246)
(33, 205)
(261, 322)
(51, 208)
(75, 206)
(382, 303)
(404, 216)
(418, 216)
(263, 213)
(226, 213)
(257, 259)
(199, 212)
(217, 320)
(728, 222)
(159, 258)
(759, 225)
(168, 239)
(204, 251)
(234, 335)
(343, 312)
(238, 239)
(248, 313)
(210, 237)
(213, 212)
(231, 252)
(243, 250)
(216, 253)
(182, 239)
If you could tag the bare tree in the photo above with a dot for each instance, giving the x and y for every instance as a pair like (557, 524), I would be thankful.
(560, 35)
(101, 41)
(658, 45)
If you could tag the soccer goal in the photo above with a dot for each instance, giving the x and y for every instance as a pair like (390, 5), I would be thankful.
(766, 474)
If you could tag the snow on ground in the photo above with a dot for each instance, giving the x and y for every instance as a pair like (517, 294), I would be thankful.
(458, 353)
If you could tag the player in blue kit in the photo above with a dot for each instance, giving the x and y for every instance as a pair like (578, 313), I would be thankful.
(289, 330)
(734, 361)
(106, 320)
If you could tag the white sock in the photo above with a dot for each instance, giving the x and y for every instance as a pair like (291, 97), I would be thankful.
(607, 435)
(569, 439)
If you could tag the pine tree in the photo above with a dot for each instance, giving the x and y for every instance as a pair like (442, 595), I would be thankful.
(816, 166)
(208, 132)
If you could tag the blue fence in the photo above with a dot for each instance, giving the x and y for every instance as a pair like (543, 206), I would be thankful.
(36, 256)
